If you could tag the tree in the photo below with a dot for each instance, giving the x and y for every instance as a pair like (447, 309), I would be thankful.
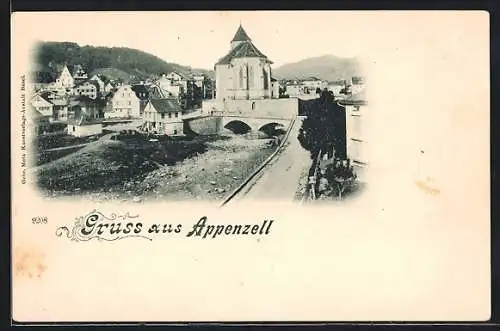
(324, 126)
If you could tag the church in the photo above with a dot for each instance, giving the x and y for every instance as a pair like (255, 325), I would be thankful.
(244, 73)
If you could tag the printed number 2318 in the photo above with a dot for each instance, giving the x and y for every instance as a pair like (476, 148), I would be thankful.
(39, 220)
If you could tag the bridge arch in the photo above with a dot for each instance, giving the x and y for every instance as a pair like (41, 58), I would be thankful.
(272, 128)
(238, 127)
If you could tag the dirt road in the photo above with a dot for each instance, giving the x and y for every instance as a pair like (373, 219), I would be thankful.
(279, 179)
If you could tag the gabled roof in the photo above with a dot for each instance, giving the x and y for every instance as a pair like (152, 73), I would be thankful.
(140, 91)
(156, 92)
(180, 74)
(165, 105)
(42, 96)
(245, 49)
(241, 35)
(312, 78)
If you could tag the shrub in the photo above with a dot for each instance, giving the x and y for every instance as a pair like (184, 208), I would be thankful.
(341, 176)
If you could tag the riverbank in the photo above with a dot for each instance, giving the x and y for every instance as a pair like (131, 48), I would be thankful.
(201, 168)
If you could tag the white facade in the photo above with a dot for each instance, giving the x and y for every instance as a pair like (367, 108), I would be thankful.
(99, 82)
(173, 84)
(88, 89)
(169, 123)
(124, 104)
(293, 90)
(244, 78)
(65, 79)
(356, 134)
(84, 130)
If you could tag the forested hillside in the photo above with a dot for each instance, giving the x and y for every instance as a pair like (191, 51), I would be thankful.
(50, 56)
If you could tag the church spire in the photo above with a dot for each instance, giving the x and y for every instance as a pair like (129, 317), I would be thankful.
(241, 35)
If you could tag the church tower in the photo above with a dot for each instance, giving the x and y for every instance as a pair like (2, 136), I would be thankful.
(244, 73)
(240, 37)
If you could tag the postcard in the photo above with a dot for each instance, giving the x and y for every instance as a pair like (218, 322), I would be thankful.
(223, 166)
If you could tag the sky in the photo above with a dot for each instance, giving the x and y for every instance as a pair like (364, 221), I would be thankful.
(199, 39)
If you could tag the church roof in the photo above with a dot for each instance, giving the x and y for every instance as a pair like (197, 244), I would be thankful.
(245, 49)
(241, 35)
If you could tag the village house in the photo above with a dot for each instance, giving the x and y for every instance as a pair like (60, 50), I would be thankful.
(89, 88)
(105, 85)
(293, 89)
(199, 80)
(60, 109)
(174, 83)
(357, 84)
(84, 127)
(156, 92)
(65, 79)
(84, 106)
(163, 116)
(312, 83)
(79, 74)
(143, 94)
(39, 122)
(124, 104)
(109, 87)
(42, 105)
(356, 108)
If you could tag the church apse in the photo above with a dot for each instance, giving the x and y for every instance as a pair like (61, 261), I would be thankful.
(244, 83)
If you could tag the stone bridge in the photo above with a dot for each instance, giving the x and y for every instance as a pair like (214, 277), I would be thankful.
(245, 123)
(241, 116)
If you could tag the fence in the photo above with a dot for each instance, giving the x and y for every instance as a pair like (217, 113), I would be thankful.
(312, 183)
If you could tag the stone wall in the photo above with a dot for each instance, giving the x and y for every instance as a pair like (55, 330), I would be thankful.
(284, 108)
(203, 126)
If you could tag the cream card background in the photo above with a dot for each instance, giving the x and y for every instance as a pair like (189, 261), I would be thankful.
(395, 253)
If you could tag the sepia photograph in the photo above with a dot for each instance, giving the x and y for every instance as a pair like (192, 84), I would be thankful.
(118, 122)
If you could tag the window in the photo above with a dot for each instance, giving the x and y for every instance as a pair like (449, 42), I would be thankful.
(169, 115)
(264, 75)
(129, 102)
(241, 77)
(253, 105)
(163, 115)
(175, 131)
(176, 114)
(250, 77)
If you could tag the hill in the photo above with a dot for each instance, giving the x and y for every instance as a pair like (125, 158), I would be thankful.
(50, 56)
(327, 67)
